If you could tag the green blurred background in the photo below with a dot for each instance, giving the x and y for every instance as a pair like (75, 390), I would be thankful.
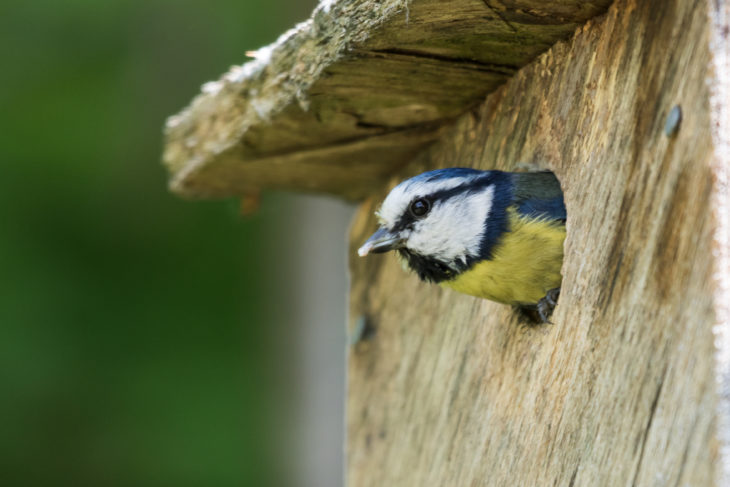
(144, 340)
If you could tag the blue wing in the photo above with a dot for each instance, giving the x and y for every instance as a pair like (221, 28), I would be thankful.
(538, 195)
(551, 209)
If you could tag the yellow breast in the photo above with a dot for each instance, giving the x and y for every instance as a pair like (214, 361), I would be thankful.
(525, 264)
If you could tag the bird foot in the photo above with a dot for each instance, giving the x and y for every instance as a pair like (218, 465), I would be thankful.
(547, 304)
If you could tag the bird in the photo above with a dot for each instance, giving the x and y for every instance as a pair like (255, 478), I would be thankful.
(491, 234)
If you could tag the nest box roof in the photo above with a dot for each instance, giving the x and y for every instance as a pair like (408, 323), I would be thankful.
(343, 100)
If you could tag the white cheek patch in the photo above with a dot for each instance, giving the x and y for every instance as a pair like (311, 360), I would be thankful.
(453, 230)
(396, 203)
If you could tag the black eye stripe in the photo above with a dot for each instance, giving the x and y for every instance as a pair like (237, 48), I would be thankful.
(438, 197)
(464, 189)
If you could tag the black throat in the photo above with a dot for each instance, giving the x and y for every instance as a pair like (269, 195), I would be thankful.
(428, 268)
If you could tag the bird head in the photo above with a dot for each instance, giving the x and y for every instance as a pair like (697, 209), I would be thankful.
(438, 221)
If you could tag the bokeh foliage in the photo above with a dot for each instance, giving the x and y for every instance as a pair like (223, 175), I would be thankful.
(134, 343)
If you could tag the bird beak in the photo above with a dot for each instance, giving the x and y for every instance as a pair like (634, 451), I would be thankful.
(379, 242)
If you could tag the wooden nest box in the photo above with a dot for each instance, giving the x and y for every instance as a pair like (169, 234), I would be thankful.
(631, 385)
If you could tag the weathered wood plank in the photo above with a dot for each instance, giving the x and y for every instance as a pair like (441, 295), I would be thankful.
(380, 74)
(719, 84)
(452, 390)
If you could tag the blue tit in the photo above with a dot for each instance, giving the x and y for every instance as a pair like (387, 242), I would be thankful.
(491, 234)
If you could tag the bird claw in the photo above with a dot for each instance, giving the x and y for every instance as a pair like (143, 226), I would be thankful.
(552, 296)
(547, 304)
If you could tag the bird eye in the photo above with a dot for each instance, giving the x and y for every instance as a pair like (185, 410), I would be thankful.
(420, 207)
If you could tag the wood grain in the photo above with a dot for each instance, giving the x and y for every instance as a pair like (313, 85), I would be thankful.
(719, 84)
(453, 390)
(360, 87)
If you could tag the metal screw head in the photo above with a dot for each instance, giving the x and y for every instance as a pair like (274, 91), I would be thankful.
(671, 127)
